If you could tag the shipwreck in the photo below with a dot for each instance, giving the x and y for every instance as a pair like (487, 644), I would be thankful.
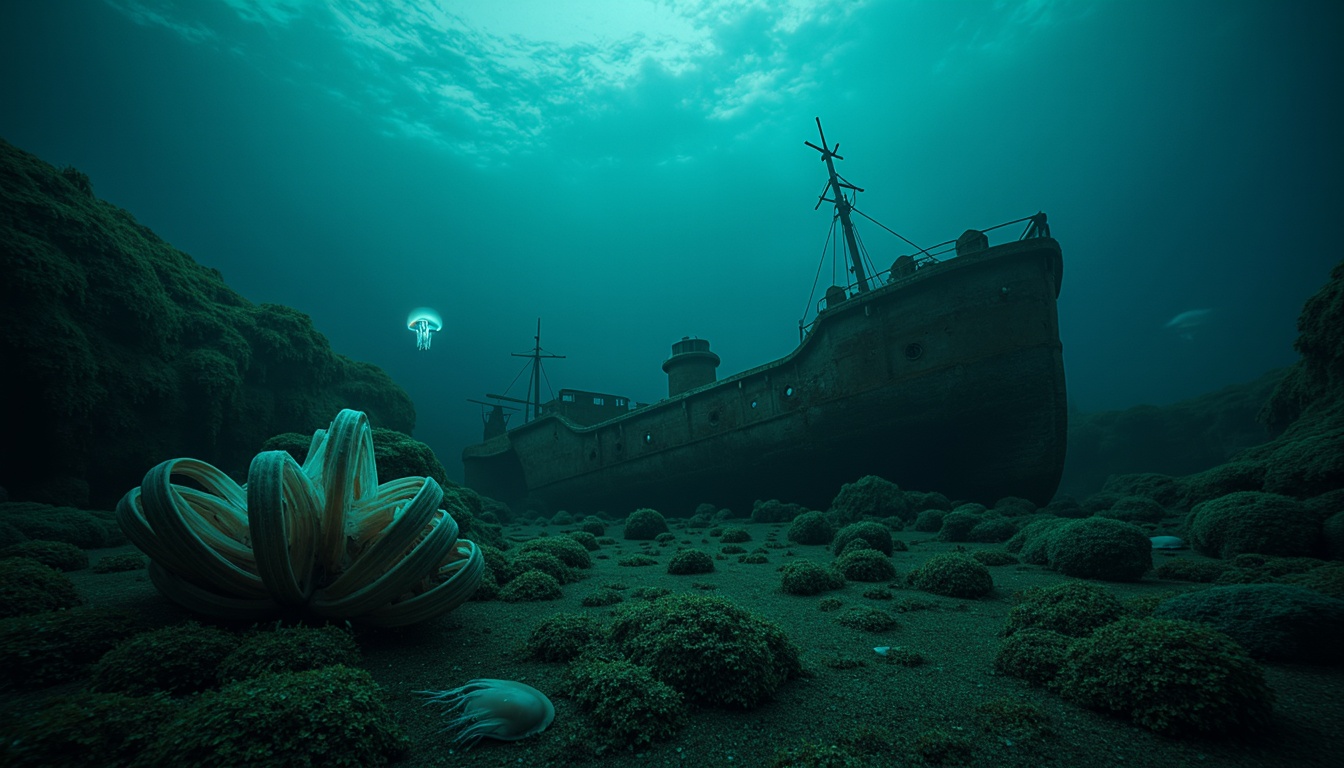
(942, 373)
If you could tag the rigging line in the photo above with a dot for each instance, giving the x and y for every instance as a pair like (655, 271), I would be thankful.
(892, 231)
(515, 378)
(550, 388)
(863, 251)
(820, 263)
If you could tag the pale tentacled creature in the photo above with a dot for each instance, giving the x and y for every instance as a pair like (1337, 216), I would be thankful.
(324, 538)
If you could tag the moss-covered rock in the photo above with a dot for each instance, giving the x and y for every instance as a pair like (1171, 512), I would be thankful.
(85, 730)
(1172, 677)
(531, 586)
(775, 511)
(130, 561)
(53, 554)
(690, 561)
(867, 619)
(1099, 548)
(1034, 655)
(870, 496)
(734, 535)
(1273, 621)
(54, 647)
(1136, 509)
(930, 520)
(565, 548)
(993, 531)
(957, 525)
(564, 636)
(1250, 521)
(865, 565)
(952, 574)
(27, 586)
(1073, 609)
(811, 528)
(708, 648)
(873, 535)
(177, 660)
(627, 705)
(804, 577)
(644, 525)
(333, 716)
(288, 649)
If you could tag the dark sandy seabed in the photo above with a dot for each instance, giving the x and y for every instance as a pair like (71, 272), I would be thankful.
(958, 638)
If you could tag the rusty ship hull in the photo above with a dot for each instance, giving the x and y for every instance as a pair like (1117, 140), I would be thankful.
(949, 379)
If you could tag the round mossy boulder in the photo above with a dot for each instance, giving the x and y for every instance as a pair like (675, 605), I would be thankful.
(930, 520)
(952, 574)
(53, 554)
(563, 636)
(1034, 655)
(1252, 521)
(84, 730)
(774, 511)
(873, 535)
(690, 561)
(957, 525)
(289, 649)
(1099, 548)
(1135, 509)
(865, 565)
(566, 548)
(628, 706)
(27, 587)
(177, 660)
(1074, 609)
(870, 496)
(804, 577)
(644, 525)
(1273, 621)
(811, 528)
(1171, 677)
(711, 650)
(333, 716)
(531, 586)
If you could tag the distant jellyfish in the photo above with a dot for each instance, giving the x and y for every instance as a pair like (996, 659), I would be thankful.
(424, 321)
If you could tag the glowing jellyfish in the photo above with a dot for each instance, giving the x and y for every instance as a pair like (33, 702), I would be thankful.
(423, 321)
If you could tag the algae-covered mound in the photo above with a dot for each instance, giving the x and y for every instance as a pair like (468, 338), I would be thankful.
(121, 351)
(708, 648)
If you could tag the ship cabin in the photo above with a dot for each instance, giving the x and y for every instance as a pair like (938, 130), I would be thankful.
(584, 408)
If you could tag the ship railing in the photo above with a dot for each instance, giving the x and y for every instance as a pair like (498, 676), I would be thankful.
(905, 268)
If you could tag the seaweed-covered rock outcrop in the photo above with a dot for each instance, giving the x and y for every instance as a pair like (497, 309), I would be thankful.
(119, 350)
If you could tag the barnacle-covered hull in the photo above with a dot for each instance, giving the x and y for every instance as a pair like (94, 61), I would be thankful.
(949, 379)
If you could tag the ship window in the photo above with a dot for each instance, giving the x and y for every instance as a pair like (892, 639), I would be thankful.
(648, 438)
(566, 397)
(713, 418)
(598, 401)
(620, 401)
(913, 351)
(788, 391)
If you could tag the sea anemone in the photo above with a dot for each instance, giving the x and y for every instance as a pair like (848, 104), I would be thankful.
(324, 538)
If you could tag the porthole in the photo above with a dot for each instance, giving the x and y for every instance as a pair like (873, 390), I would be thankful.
(788, 391)
(713, 418)
(753, 403)
(648, 438)
(913, 351)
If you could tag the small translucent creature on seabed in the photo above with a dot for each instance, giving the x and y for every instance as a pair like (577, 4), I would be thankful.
(423, 321)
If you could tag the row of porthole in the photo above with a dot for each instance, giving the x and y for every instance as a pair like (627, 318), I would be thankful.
(913, 351)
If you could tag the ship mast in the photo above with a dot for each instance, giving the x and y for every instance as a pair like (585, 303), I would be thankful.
(534, 389)
(842, 204)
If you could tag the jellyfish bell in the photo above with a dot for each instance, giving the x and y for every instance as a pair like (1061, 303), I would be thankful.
(424, 321)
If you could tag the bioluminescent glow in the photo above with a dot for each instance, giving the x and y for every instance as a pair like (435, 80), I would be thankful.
(424, 321)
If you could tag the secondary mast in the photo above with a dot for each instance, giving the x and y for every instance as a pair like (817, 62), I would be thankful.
(842, 204)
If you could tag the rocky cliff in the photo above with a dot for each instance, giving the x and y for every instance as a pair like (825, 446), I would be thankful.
(118, 351)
